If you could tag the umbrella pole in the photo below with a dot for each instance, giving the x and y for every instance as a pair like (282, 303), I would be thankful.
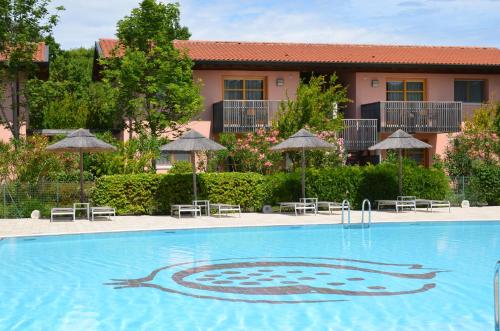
(400, 174)
(303, 173)
(193, 160)
(81, 176)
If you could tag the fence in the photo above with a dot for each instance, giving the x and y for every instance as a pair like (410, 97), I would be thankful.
(460, 188)
(20, 199)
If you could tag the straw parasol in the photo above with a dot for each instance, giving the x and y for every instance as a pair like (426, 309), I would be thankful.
(301, 141)
(81, 141)
(400, 140)
(192, 141)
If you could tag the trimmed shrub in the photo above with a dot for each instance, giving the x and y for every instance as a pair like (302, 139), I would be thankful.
(181, 167)
(426, 183)
(174, 189)
(282, 187)
(246, 189)
(484, 185)
(154, 194)
(129, 194)
(335, 184)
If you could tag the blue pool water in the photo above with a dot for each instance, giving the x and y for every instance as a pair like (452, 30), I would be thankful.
(413, 276)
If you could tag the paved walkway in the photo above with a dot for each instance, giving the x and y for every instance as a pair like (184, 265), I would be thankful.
(28, 227)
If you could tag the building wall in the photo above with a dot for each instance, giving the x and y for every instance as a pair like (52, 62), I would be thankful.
(349, 80)
(212, 87)
(439, 87)
(6, 104)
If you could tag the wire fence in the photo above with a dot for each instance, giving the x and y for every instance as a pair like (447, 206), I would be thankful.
(460, 189)
(20, 199)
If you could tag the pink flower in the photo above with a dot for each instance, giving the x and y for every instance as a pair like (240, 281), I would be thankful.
(261, 156)
(268, 164)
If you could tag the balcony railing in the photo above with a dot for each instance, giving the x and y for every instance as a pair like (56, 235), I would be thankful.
(468, 110)
(415, 116)
(244, 115)
(359, 134)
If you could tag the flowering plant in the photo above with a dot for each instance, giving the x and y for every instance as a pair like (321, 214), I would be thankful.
(250, 152)
(478, 141)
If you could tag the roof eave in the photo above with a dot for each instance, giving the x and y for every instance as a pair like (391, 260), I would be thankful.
(220, 64)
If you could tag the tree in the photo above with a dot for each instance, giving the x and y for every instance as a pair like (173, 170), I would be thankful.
(479, 141)
(23, 25)
(316, 107)
(69, 99)
(153, 80)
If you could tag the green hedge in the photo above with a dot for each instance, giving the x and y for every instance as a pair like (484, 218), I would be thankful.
(153, 194)
(484, 184)
(246, 189)
(129, 194)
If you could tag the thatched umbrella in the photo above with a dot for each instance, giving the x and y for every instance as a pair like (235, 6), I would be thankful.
(400, 140)
(192, 142)
(81, 141)
(301, 141)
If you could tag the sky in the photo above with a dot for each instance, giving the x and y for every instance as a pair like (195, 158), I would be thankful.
(408, 22)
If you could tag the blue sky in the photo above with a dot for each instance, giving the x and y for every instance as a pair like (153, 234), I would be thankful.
(420, 22)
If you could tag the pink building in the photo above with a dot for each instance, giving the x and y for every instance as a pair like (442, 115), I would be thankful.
(41, 59)
(427, 91)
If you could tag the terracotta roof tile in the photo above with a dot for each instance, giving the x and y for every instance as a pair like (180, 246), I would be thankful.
(41, 54)
(329, 53)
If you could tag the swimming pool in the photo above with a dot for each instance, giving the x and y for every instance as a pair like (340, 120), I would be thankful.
(405, 276)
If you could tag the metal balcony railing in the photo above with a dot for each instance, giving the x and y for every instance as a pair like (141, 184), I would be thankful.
(244, 115)
(359, 134)
(415, 116)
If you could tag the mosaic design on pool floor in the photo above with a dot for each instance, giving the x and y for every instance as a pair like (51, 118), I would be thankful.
(286, 279)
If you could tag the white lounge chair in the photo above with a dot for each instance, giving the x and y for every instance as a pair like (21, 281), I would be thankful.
(102, 211)
(433, 204)
(226, 208)
(203, 204)
(330, 206)
(304, 205)
(62, 212)
(399, 204)
(179, 209)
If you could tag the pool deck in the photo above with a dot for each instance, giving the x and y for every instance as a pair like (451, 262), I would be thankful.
(29, 227)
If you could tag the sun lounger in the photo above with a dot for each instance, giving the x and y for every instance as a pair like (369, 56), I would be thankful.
(179, 209)
(62, 212)
(397, 204)
(226, 208)
(298, 206)
(433, 204)
(330, 206)
(102, 211)
(203, 204)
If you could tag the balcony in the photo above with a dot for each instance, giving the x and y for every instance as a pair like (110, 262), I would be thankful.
(359, 134)
(239, 116)
(415, 116)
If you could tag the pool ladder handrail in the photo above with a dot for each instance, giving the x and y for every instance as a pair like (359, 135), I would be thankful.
(496, 296)
(369, 212)
(345, 204)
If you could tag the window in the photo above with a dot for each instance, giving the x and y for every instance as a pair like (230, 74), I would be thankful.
(167, 159)
(469, 91)
(244, 89)
(405, 90)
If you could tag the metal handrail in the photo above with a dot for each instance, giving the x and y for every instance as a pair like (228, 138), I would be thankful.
(369, 212)
(496, 296)
(344, 204)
